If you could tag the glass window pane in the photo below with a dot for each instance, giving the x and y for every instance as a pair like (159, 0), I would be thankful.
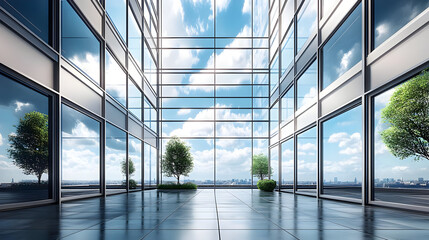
(287, 50)
(233, 114)
(117, 11)
(116, 153)
(135, 162)
(189, 114)
(342, 154)
(307, 87)
(287, 106)
(149, 68)
(150, 116)
(116, 80)
(233, 129)
(233, 18)
(287, 164)
(344, 49)
(233, 161)
(78, 43)
(396, 112)
(135, 100)
(80, 153)
(306, 22)
(188, 129)
(134, 38)
(260, 18)
(24, 129)
(34, 14)
(274, 119)
(202, 151)
(236, 91)
(274, 74)
(150, 165)
(307, 161)
(392, 15)
(274, 163)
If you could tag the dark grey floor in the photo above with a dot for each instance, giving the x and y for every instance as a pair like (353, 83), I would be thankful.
(237, 214)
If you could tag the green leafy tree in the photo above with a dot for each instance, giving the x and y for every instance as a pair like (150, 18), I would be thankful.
(260, 166)
(407, 118)
(131, 171)
(177, 159)
(29, 146)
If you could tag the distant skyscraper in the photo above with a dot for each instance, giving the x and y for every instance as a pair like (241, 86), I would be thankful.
(335, 180)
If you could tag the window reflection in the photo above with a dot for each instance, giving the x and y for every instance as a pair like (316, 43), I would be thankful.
(24, 130)
(150, 165)
(307, 161)
(135, 100)
(34, 14)
(287, 50)
(401, 180)
(78, 43)
(287, 106)
(342, 154)
(274, 164)
(149, 68)
(116, 80)
(134, 38)
(150, 115)
(306, 22)
(80, 153)
(116, 153)
(117, 11)
(233, 161)
(287, 154)
(344, 49)
(274, 119)
(274, 74)
(135, 166)
(391, 15)
(307, 87)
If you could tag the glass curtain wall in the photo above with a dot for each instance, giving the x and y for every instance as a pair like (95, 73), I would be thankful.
(25, 160)
(215, 85)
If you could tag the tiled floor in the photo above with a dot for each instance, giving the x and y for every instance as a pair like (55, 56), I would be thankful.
(206, 214)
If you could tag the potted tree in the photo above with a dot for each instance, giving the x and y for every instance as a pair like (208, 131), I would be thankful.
(260, 169)
(177, 161)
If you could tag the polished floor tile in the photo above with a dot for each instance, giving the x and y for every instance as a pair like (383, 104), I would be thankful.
(208, 214)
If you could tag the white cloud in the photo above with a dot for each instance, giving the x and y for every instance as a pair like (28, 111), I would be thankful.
(80, 164)
(1, 139)
(5, 165)
(307, 147)
(21, 105)
(183, 111)
(400, 168)
(382, 30)
(349, 144)
(90, 65)
(247, 6)
(309, 97)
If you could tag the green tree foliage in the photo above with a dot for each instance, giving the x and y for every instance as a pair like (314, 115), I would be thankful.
(177, 159)
(407, 118)
(260, 166)
(131, 168)
(29, 147)
(131, 171)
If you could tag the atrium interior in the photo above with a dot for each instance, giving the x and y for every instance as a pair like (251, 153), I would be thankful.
(328, 98)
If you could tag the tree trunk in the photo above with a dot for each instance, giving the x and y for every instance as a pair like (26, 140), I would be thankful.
(39, 176)
(261, 177)
(178, 182)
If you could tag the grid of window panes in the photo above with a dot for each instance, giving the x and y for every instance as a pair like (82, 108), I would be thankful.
(302, 132)
(215, 86)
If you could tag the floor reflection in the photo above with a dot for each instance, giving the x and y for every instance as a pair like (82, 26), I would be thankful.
(208, 214)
